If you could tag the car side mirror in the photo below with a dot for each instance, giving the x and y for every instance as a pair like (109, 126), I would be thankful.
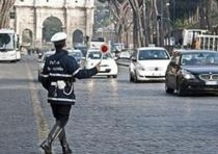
(133, 59)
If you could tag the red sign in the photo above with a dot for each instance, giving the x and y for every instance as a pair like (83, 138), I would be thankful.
(104, 48)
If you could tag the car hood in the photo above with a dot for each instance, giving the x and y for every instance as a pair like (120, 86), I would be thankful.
(91, 63)
(201, 69)
(154, 63)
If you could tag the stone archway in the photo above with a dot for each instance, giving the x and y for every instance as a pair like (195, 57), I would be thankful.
(51, 25)
(77, 37)
(27, 38)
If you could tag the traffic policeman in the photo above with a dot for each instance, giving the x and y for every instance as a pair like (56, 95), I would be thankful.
(58, 76)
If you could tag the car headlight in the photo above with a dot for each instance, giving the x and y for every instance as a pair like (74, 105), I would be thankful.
(187, 75)
(140, 67)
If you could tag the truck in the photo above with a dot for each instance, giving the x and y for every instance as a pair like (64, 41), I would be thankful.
(207, 42)
(184, 37)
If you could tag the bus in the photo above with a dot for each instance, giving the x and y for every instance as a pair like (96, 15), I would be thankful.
(9, 46)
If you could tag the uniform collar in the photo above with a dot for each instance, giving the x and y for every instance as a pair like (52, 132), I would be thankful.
(60, 52)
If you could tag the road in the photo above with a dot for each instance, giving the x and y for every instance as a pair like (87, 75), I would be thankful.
(111, 116)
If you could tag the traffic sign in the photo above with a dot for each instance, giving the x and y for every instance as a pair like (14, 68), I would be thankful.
(104, 48)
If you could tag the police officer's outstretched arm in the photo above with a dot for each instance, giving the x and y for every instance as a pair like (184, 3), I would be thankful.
(79, 72)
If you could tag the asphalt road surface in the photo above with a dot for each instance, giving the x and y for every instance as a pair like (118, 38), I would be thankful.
(111, 116)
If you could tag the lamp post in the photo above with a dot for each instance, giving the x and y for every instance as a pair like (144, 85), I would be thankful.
(164, 18)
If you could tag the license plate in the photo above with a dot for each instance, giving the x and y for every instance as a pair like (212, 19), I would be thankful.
(211, 82)
(156, 74)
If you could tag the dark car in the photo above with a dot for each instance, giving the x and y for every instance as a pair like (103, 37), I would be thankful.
(192, 71)
(83, 48)
(77, 54)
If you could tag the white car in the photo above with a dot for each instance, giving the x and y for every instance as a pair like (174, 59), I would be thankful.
(108, 65)
(148, 63)
(41, 62)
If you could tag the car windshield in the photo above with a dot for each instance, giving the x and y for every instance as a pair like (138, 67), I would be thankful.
(97, 55)
(153, 55)
(94, 55)
(200, 58)
(75, 54)
(6, 42)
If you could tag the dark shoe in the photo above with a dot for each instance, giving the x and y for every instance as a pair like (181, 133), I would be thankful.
(63, 140)
(46, 147)
(67, 150)
(54, 133)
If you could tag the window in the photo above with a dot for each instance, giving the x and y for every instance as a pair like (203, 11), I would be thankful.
(152, 54)
(12, 15)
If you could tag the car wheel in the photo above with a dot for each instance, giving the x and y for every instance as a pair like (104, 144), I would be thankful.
(168, 90)
(114, 76)
(135, 79)
(180, 91)
(130, 77)
(39, 78)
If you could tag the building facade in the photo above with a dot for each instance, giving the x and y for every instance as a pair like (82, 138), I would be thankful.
(37, 20)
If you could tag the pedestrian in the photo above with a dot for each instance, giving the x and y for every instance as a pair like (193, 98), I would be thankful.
(59, 73)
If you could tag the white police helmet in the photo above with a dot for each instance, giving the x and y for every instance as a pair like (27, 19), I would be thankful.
(59, 36)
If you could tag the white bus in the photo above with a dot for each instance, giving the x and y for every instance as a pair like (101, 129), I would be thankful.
(9, 46)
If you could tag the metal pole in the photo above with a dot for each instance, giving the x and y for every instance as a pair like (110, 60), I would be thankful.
(161, 22)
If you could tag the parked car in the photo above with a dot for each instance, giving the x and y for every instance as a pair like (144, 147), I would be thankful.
(41, 62)
(77, 54)
(148, 63)
(108, 65)
(192, 71)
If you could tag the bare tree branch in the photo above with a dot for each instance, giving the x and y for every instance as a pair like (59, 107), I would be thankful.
(5, 7)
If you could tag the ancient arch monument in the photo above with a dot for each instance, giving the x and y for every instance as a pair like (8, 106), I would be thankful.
(32, 18)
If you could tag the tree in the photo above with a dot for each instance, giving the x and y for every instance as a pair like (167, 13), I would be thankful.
(120, 17)
(120, 12)
(5, 7)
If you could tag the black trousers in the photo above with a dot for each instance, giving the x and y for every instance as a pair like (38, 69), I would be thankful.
(61, 113)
